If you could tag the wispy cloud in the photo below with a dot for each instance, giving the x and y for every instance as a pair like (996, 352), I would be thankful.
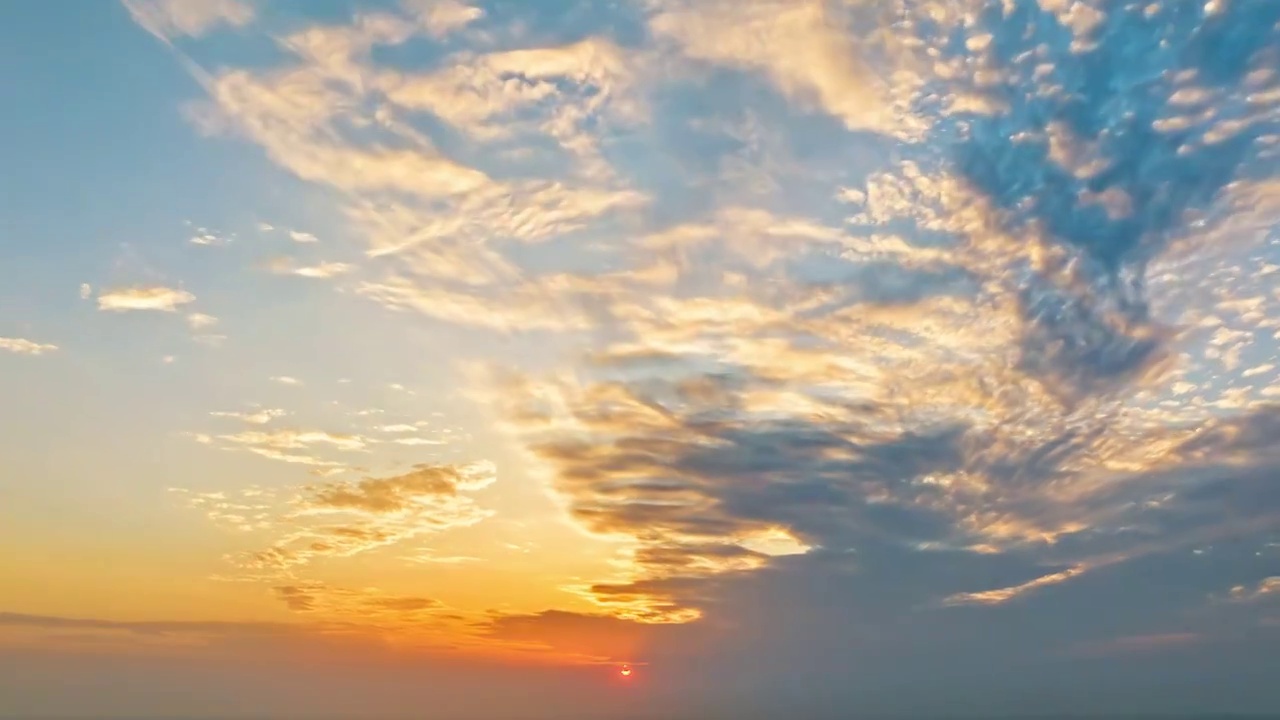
(346, 518)
(207, 237)
(253, 417)
(22, 346)
(168, 19)
(441, 17)
(323, 270)
(810, 289)
(155, 298)
(1005, 594)
(200, 321)
(1265, 588)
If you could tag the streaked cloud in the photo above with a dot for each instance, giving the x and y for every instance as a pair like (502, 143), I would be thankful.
(169, 19)
(200, 321)
(1001, 595)
(441, 17)
(802, 47)
(1265, 588)
(903, 336)
(158, 298)
(22, 346)
(321, 270)
(260, 416)
(340, 518)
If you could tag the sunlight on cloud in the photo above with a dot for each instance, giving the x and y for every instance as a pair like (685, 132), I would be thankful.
(340, 519)
(255, 417)
(1266, 588)
(199, 321)
(22, 346)
(324, 270)
(990, 314)
(441, 17)
(801, 48)
(168, 19)
(162, 299)
(1000, 595)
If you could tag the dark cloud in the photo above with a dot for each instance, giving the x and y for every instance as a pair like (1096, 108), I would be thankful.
(148, 627)
(344, 604)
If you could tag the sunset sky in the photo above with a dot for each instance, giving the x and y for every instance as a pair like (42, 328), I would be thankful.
(812, 358)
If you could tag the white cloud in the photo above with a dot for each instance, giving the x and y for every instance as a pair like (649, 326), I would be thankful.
(86, 291)
(798, 46)
(286, 380)
(297, 439)
(168, 19)
(303, 237)
(417, 441)
(205, 236)
(144, 298)
(322, 270)
(22, 346)
(197, 321)
(256, 417)
(442, 17)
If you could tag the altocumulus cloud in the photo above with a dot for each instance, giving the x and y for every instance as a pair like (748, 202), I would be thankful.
(343, 518)
(943, 405)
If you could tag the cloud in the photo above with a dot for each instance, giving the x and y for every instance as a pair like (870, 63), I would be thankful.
(442, 17)
(162, 299)
(369, 605)
(205, 236)
(256, 417)
(801, 48)
(303, 237)
(21, 346)
(340, 519)
(322, 271)
(286, 380)
(1001, 595)
(296, 439)
(199, 321)
(402, 492)
(1265, 588)
(170, 19)
(140, 628)
(971, 306)
(1137, 644)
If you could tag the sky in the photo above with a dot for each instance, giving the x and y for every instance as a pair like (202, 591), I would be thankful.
(808, 358)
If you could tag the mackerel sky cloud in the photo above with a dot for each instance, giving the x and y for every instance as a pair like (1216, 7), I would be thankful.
(828, 357)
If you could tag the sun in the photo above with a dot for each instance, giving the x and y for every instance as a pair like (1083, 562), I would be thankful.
(625, 671)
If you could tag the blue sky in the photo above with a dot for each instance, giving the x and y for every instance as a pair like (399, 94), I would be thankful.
(817, 356)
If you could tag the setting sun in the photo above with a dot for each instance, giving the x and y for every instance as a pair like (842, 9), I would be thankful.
(626, 671)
